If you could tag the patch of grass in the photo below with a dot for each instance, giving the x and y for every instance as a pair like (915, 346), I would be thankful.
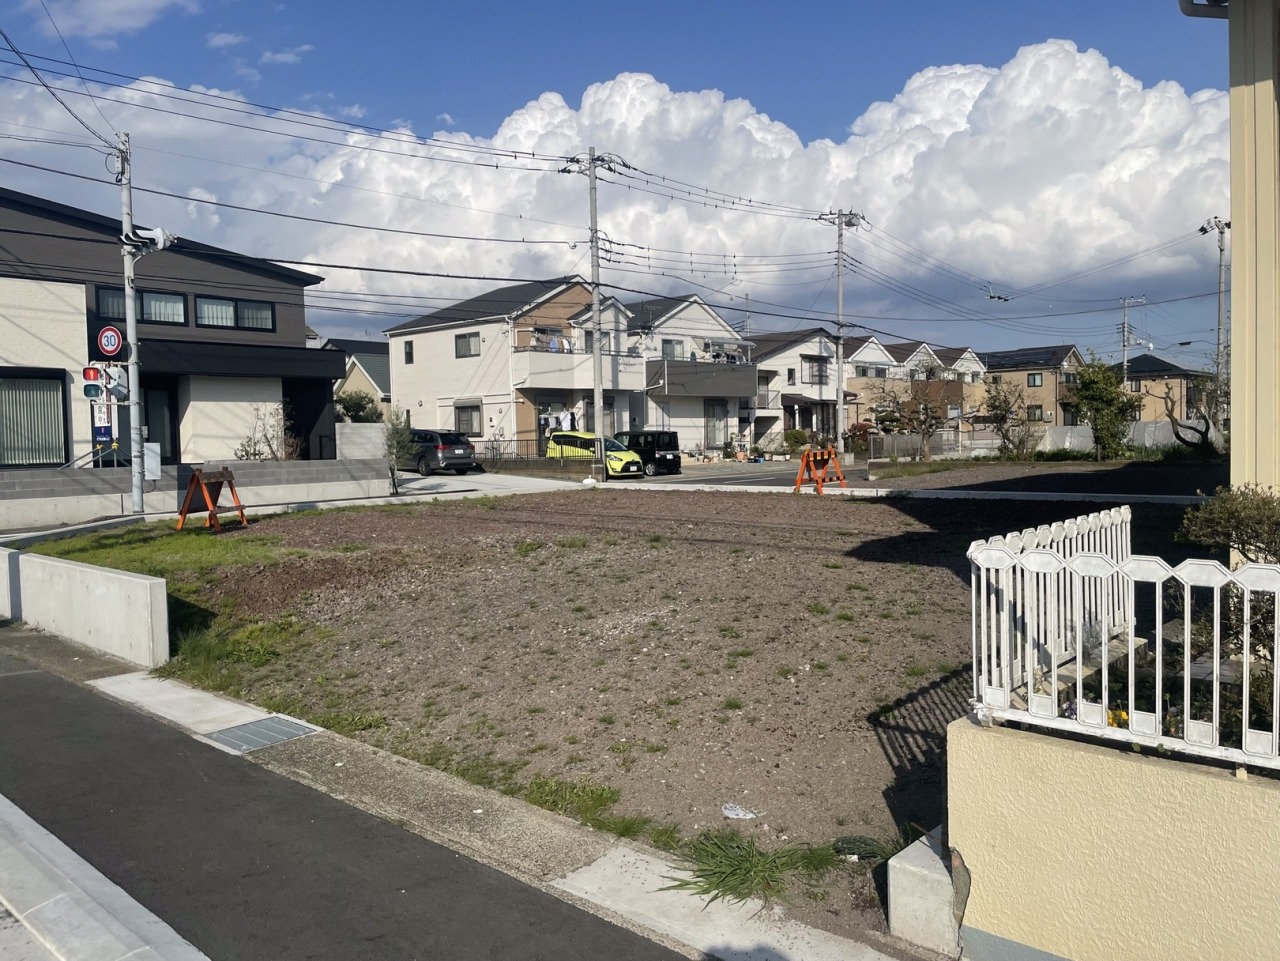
(656, 539)
(571, 543)
(730, 632)
(671, 700)
(817, 607)
(844, 616)
(606, 719)
(723, 863)
(535, 709)
(731, 704)
(785, 671)
(664, 837)
(526, 548)
(917, 670)
(857, 586)
(348, 722)
(833, 565)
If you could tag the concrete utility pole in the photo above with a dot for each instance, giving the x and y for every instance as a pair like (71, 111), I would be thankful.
(597, 353)
(841, 220)
(134, 245)
(1219, 358)
(1124, 337)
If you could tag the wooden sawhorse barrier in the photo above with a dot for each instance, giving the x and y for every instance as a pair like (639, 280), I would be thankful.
(814, 465)
(210, 487)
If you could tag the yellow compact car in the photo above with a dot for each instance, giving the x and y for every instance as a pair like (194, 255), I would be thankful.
(619, 461)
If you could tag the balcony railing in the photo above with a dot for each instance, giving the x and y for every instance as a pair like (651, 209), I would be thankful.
(1073, 632)
(769, 400)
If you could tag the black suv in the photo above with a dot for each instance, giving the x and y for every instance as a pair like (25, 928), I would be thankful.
(440, 450)
(659, 449)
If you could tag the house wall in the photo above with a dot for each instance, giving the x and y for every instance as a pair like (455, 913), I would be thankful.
(218, 413)
(1048, 395)
(42, 324)
(428, 387)
(685, 416)
(1152, 394)
(1079, 851)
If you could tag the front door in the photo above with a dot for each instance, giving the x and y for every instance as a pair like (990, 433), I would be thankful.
(715, 417)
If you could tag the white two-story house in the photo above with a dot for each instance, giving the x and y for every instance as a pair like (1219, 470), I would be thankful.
(797, 384)
(698, 380)
(501, 365)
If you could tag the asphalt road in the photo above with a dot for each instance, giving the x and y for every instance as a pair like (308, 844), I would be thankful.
(246, 864)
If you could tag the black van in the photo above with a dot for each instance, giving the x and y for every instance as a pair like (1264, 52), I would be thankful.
(659, 449)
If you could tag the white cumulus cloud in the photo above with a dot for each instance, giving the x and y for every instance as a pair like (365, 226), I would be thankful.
(290, 56)
(1011, 175)
(218, 41)
(103, 18)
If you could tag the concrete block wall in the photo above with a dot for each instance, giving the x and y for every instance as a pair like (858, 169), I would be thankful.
(116, 612)
(361, 441)
(35, 499)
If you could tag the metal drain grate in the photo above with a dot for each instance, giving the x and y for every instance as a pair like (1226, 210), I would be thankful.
(256, 734)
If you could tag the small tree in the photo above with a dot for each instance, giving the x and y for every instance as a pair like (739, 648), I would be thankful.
(920, 408)
(398, 443)
(358, 407)
(1006, 408)
(271, 436)
(1244, 519)
(1107, 405)
(1199, 430)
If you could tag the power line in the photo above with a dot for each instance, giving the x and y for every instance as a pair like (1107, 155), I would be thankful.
(53, 93)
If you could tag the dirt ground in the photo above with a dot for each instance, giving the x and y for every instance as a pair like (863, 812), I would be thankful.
(798, 657)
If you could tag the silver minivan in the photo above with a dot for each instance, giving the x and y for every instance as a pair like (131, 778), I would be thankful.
(435, 450)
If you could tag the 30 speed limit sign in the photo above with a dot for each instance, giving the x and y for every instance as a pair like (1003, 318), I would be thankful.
(110, 341)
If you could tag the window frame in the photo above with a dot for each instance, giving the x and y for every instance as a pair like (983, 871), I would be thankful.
(470, 339)
(139, 308)
(1035, 413)
(815, 371)
(479, 420)
(1035, 379)
(236, 314)
(408, 352)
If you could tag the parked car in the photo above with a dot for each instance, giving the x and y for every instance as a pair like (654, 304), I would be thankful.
(658, 449)
(435, 450)
(619, 461)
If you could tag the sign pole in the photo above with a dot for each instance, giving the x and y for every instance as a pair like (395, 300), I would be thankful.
(130, 254)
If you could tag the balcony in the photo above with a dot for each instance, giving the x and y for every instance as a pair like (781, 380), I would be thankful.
(535, 367)
(1074, 633)
(769, 400)
(690, 378)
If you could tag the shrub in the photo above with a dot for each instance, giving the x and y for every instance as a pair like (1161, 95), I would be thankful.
(1245, 519)
(794, 439)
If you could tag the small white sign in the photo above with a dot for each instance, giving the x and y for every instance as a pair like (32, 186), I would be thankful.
(102, 415)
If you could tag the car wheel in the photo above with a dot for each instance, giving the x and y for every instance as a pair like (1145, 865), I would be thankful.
(651, 468)
(423, 467)
(460, 470)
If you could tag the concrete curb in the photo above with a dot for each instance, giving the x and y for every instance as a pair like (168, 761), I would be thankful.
(69, 907)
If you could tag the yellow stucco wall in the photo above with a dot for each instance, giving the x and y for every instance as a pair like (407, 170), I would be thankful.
(1094, 854)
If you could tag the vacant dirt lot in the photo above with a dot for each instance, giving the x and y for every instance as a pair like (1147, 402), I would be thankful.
(799, 657)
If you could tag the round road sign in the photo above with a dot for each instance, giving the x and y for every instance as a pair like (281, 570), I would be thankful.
(110, 341)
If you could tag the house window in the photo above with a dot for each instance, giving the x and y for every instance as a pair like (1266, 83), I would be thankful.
(591, 341)
(881, 372)
(673, 349)
(1135, 387)
(975, 377)
(1035, 380)
(862, 372)
(408, 352)
(33, 430)
(1070, 378)
(995, 378)
(241, 314)
(151, 307)
(791, 376)
(466, 345)
(466, 420)
(1035, 412)
(814, 370)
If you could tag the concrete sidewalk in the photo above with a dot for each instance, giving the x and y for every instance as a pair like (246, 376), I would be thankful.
(180, 808)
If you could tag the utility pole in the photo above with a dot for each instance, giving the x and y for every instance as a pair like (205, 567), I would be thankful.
(578, 165)
(134, 246)
(841, 220)
(1124, 337)
(1219, 359)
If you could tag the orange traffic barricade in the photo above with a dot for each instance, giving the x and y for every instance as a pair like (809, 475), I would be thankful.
(814, 465)
(210, 488)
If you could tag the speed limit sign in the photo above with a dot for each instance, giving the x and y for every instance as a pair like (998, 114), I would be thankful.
(110, 341)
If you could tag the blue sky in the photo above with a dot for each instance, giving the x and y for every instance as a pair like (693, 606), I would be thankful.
(994, 170)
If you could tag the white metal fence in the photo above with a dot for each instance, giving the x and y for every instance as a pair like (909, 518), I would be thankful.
(1072, 631)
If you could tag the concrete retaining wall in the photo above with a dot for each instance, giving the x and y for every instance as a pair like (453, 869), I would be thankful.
(32, 499)
(116, 612)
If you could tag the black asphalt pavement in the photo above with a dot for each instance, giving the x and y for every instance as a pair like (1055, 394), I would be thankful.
(248, 865)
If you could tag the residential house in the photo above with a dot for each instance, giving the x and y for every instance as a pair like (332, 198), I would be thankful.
(698, 381)
(1152, 378)
(502, 364)
(368, 370)
(796, 371)
(221, 341)
(867, 369)
(1045, 375)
